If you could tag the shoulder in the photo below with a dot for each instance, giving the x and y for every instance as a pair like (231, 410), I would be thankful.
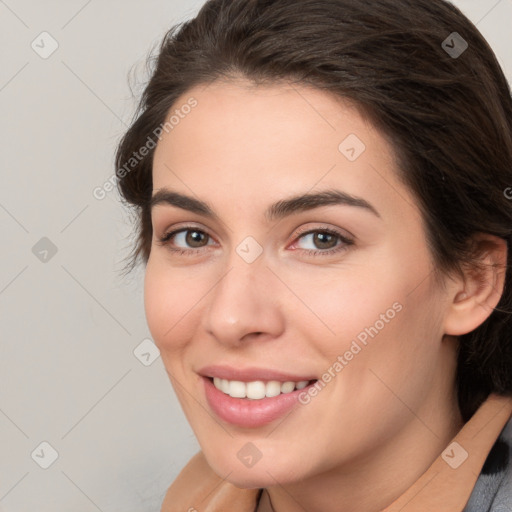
(493, 488)
(199, 488)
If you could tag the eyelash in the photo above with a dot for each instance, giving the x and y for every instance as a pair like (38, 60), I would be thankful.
(346, 242)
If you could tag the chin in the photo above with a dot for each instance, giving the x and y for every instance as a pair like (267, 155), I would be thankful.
(262, 474)
(249, 483)
(262, 478)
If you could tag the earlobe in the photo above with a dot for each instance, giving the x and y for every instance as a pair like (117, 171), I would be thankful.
(475, 295)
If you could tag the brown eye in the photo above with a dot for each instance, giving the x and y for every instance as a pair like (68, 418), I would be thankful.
(324, 240)
(185, 239)
(318, 242)
(195, 238)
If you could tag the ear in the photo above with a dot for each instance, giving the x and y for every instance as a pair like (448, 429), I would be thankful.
(474, 295)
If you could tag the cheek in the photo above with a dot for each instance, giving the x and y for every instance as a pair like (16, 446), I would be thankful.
(170, 301)
(345, 304)
(383, 316)
(400, 356)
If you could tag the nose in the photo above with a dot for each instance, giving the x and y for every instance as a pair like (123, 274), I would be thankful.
(244, 304)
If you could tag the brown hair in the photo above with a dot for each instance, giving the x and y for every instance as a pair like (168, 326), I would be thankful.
(448, 115)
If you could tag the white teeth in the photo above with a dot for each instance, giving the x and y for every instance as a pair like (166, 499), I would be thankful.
(256, 390)
(237, 389)
(224, 386)
(273, 388)
(287, 387)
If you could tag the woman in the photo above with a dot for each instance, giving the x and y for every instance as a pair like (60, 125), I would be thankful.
(323, 217)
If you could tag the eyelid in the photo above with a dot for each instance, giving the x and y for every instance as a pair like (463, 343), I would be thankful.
(299, 233)
(176, 229)
(346, 241)
(343, 233)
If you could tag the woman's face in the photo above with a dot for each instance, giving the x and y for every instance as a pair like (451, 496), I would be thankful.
(260, 287)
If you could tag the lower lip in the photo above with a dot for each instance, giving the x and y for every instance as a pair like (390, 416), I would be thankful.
(248, 413)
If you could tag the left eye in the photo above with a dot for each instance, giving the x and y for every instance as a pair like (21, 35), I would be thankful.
(320, 239)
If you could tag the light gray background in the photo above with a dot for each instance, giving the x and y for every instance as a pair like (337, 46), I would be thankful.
(69, 325)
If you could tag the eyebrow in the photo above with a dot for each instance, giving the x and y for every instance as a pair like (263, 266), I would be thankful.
(276, 211)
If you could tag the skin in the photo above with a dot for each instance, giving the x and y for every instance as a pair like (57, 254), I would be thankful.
(381, 421)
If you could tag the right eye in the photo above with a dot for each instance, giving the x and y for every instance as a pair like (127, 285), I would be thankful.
(186, 240)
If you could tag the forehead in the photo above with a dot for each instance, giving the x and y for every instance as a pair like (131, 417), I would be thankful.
(248, 115)
(242, 139)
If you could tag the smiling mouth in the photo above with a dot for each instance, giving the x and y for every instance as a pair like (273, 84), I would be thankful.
(258, 389)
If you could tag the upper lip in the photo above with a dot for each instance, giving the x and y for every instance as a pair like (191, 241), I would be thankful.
(251, 374)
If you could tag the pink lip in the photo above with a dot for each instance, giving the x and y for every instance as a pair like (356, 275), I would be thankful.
(248, 413)
(251, 374)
